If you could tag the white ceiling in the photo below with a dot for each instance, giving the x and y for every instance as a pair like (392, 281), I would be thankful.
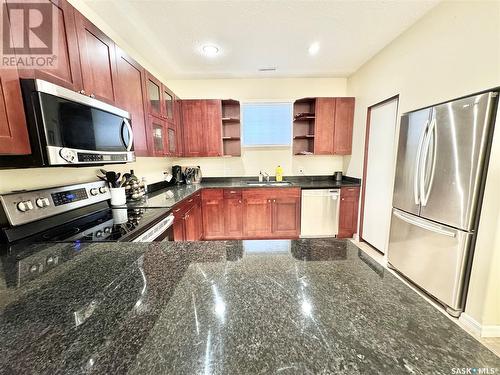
(257, 34)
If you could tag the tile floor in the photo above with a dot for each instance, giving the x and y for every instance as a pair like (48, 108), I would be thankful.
(492, 343)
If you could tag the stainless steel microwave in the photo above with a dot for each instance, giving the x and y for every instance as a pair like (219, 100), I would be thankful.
(67, 128)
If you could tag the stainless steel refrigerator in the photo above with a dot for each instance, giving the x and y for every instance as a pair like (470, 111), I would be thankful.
(440, 173)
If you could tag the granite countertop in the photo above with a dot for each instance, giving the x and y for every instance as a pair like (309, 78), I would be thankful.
(231, 307)
(170, 196)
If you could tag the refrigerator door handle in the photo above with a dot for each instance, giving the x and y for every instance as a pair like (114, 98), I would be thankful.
(417, 165)
(431, 227)
(431, 135)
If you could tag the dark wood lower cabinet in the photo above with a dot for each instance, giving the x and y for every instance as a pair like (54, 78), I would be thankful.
(193, 222)
(257, 218)
(213, 218)
(286, 217)
(217, 214)
(233, 218)
(348, 215)
(188, 221)
(271, 213)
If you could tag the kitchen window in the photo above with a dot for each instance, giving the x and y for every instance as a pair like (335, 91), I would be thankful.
(267, 124)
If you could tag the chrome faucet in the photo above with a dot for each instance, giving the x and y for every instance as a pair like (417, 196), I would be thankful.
(267, 176)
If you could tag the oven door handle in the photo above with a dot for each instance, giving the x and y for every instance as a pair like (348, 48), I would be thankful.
(126, 123)
(156, 230)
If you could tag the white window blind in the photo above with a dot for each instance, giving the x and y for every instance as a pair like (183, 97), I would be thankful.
(267, 124)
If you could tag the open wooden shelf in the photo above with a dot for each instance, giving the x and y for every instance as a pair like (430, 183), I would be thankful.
(304, 115)
(231, 132)
(304, 118)
(230, 119)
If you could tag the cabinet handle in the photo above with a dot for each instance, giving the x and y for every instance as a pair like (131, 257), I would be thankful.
(177, 210)
(343, 199)
(189, 201)
(274, 200)
(239, 201)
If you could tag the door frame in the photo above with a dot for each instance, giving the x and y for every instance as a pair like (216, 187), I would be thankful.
(365, 159)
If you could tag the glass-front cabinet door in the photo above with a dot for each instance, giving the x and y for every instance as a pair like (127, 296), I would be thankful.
(172, 142)
(154, 95)
(157, 128)
(168, 102)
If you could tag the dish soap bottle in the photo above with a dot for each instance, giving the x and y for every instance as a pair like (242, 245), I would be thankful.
(279, 174)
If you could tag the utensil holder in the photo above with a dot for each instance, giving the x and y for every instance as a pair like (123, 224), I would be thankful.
(120, 215)
(118, 197)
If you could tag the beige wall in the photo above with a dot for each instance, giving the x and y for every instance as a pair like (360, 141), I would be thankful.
(34, 178)
(243, 89)
(452, 51)
(253, 160)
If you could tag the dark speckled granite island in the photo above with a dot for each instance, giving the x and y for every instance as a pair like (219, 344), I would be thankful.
(256, 307)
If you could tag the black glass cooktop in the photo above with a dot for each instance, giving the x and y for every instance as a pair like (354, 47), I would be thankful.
(114, 224)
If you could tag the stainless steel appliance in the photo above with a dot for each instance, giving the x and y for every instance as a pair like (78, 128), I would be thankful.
(441, 162)
(177, 173)
(192, 175)
(78, 213)
(69, 128)
(320, 213)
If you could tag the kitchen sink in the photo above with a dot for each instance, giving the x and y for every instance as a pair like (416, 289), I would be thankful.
(270, 183)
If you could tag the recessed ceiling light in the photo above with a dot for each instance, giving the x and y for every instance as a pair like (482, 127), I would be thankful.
(314, 48)
(210, 50)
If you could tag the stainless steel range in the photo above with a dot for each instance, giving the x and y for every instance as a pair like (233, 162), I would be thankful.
(77, 213)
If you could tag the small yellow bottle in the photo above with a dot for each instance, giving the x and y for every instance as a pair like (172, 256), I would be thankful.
(279, 173)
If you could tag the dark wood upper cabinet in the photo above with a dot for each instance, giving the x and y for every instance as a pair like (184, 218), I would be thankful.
(324, 126)
(178, 126)
(344, 117)
(157, 129)
(202, 127)
(168, 100)
(153, 90)
(98, 60)
(212, 133)
(192, 127)
(348, 212)
(14, 138)
(67, 71)
(130, 96)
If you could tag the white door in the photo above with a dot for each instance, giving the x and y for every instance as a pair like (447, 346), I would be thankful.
(380, 174)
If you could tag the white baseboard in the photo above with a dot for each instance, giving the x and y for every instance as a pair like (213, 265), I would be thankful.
(490, 331)
(474, 327)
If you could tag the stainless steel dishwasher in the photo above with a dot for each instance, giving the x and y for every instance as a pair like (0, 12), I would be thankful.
(320, 213)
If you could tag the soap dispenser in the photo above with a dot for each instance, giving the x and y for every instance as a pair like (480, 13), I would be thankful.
(279, 173)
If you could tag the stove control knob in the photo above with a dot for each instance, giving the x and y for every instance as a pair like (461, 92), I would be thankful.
(103, 189)
(107, 230)
(98, 233)
(21, 206)
(94, 191)
(24, 206)
(29, 205)
(42, 202)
